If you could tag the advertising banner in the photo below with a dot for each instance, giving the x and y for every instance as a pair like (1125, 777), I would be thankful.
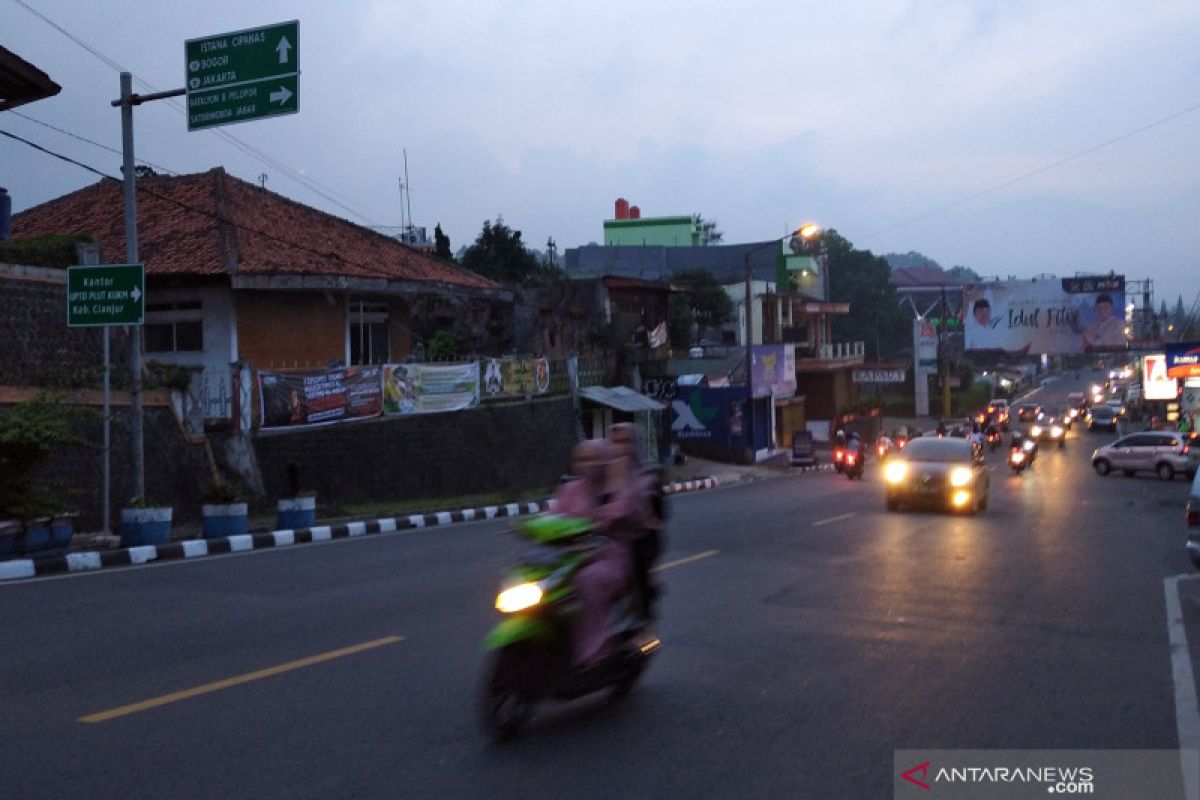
(926, 343)
(1183, 360)
(1056, 316)
(516, 377)
(315, 398)
(774, 370)
(1156, 384)
(430, 388)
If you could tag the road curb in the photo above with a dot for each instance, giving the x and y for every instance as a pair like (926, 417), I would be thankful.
(24, 568)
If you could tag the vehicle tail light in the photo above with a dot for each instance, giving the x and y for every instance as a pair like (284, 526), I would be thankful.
(1193, 517)
(1185, 450)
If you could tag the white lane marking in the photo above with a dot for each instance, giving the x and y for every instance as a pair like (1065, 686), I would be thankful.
(1187, 713)
(682, 561)
(838, 518)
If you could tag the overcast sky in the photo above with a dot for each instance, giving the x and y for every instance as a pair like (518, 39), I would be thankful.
(931, 125)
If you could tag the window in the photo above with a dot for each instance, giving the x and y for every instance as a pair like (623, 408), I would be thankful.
(369, 340)
(174, 327)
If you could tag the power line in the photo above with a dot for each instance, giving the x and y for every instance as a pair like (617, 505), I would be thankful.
(303, 180)
(370, 268)
(65, 132)
(1036, 172)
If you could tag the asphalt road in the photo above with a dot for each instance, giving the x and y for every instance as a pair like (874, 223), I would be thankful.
(807, 634)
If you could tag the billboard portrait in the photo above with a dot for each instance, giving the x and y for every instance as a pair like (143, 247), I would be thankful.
(1064, 316)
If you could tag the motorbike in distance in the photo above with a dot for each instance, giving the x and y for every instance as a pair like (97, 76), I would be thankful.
(854, 463)
(532, 647)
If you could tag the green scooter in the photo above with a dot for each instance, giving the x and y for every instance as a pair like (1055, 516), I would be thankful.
(532, 646)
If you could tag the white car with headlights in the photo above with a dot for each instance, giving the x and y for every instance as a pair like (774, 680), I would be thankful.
(948, 473)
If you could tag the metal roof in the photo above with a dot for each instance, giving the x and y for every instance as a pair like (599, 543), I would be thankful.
(622, 398)
(22, 82)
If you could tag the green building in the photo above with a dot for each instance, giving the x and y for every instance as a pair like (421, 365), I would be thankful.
(629, 229)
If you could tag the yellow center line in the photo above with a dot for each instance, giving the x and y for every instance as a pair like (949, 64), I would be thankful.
(217, 686)
(683, 561)
(838, 518)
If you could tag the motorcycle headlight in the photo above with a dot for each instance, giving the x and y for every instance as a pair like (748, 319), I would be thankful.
(1017, 457)
(1037, 430)
(895, 472)
(960, 476)
(519, 597)
(1028, 445)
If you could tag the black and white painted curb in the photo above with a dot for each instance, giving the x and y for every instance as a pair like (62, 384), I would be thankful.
(17, 569)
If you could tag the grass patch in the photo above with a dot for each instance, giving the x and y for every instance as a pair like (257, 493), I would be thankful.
(396, 508)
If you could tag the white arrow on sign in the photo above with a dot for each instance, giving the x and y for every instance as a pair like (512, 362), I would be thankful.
(283, 47)
(135, 294)
(282, 96)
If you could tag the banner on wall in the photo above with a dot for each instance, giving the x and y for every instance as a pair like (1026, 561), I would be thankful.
(774, 370)
(1056, 316)
(430, 388)
(516, 377)
(316, 398)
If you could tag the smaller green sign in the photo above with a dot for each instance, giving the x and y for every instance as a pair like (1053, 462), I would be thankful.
(110, 294)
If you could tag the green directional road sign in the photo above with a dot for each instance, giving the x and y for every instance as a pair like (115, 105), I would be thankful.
(243, 75)
(111, 294)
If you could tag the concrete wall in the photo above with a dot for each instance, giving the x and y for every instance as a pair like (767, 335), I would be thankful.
(494, 448)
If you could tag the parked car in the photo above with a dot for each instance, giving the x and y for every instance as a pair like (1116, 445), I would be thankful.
(1101, 417)
(1164, 453)
(944, 472)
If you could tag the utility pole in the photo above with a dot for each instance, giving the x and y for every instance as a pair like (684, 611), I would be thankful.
(943, 357)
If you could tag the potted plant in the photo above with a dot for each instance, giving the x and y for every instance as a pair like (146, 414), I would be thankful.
(145, 523)
(299, 510)
(30, 433)
(224, 512)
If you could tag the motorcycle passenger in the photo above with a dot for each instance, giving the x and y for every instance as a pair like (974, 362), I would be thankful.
(602, 580)
(642, 480)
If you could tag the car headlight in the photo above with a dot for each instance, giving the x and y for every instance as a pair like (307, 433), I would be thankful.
(519, 597)
(1056, 431)
(1037, 430)
(960, 476)
(1074, 413)
(1028, 444)
(895, 472)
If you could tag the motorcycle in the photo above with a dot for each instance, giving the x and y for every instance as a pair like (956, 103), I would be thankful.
(854, 465)
(993, 439)
(1018, 460)
(532, 647)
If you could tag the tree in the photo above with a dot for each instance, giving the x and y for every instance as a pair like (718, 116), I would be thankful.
(964, 274)
(499, 254)
(709, 302)
(862, 279)
(441, 244)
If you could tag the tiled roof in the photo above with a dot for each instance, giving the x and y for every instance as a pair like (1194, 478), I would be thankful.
(212, 223)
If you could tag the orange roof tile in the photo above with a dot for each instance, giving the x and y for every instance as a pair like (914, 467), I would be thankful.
(212, 223)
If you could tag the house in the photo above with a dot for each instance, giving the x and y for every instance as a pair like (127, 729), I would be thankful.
(237, 273)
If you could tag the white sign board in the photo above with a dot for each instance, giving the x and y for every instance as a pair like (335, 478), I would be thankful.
(1155, 383)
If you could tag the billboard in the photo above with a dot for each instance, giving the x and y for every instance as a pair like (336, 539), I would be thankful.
(1183, 360)
(315, 398)
(1156, 384)
(430, 388)
(1056, 316)
(774, 370)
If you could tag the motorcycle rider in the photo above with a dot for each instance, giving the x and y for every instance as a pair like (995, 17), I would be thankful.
(854, 448)
(641, 479)
(606, 575)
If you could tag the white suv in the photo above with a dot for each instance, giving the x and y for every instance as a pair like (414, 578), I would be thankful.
(1162, 452)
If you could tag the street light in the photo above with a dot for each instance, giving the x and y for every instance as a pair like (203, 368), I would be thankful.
(798, 240)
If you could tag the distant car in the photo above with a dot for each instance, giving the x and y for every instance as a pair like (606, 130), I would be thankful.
(1164, 453)
(997, 408)
(1101, 417)
(948, 473)
(1118, 405)
(1050, 428)
(1026, 412)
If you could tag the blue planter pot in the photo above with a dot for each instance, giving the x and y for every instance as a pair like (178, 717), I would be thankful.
(221, 521)
(37, 538)
(296, 512)
(9, 531)
(61, 531)
(141, 526)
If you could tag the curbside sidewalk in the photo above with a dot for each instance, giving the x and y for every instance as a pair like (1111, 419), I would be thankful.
(18, 569)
